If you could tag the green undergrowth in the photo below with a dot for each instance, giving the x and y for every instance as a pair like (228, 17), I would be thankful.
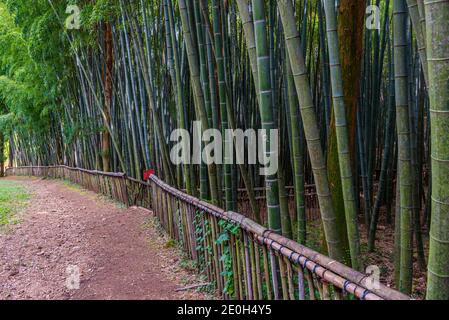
(13, 198)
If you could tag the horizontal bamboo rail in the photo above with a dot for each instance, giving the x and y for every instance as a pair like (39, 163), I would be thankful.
(243, 259)
(310, 198)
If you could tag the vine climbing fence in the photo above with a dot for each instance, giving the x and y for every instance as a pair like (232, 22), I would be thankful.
(241, 258)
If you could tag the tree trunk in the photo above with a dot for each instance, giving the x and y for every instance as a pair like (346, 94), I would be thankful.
(2, 154)
(105, 137)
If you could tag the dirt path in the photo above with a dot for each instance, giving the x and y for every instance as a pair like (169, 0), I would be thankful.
(119, 253)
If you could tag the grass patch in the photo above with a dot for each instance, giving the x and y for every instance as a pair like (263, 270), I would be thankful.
(75, 187)
(13, 197)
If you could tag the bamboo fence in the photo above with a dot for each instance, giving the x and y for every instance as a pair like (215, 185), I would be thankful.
(235, 253)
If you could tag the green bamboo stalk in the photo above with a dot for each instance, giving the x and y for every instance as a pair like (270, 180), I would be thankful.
(177, 81)
(250, 40)
(197, 89)
(404, 153)
(347, 179)
(205, 85)
(420, 36)
(266, 108)
(266, 113)
(213, 97)
(297, 154)
(311, 130)
(218, 37)
(397, 235)
(422, 18)
(286, 223)
(437, 17)
(248, 27)
(387, 156)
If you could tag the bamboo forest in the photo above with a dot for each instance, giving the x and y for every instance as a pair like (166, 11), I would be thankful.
(224, 149)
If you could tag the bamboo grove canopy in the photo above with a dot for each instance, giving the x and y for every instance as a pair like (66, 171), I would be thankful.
(358, 90)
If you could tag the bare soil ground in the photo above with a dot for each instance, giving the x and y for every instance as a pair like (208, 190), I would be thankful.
(120, 252)
(383, 255)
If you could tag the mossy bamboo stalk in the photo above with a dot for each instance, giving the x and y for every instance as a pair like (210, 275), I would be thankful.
(437, 30)
(404, 156)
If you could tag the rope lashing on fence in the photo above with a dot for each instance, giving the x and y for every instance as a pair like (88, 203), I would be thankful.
(268, 266)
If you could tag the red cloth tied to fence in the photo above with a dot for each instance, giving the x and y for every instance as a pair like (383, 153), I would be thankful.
(147, 174)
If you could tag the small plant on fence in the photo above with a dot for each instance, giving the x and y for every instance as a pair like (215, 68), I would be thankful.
(202, 231)
(228, 229)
